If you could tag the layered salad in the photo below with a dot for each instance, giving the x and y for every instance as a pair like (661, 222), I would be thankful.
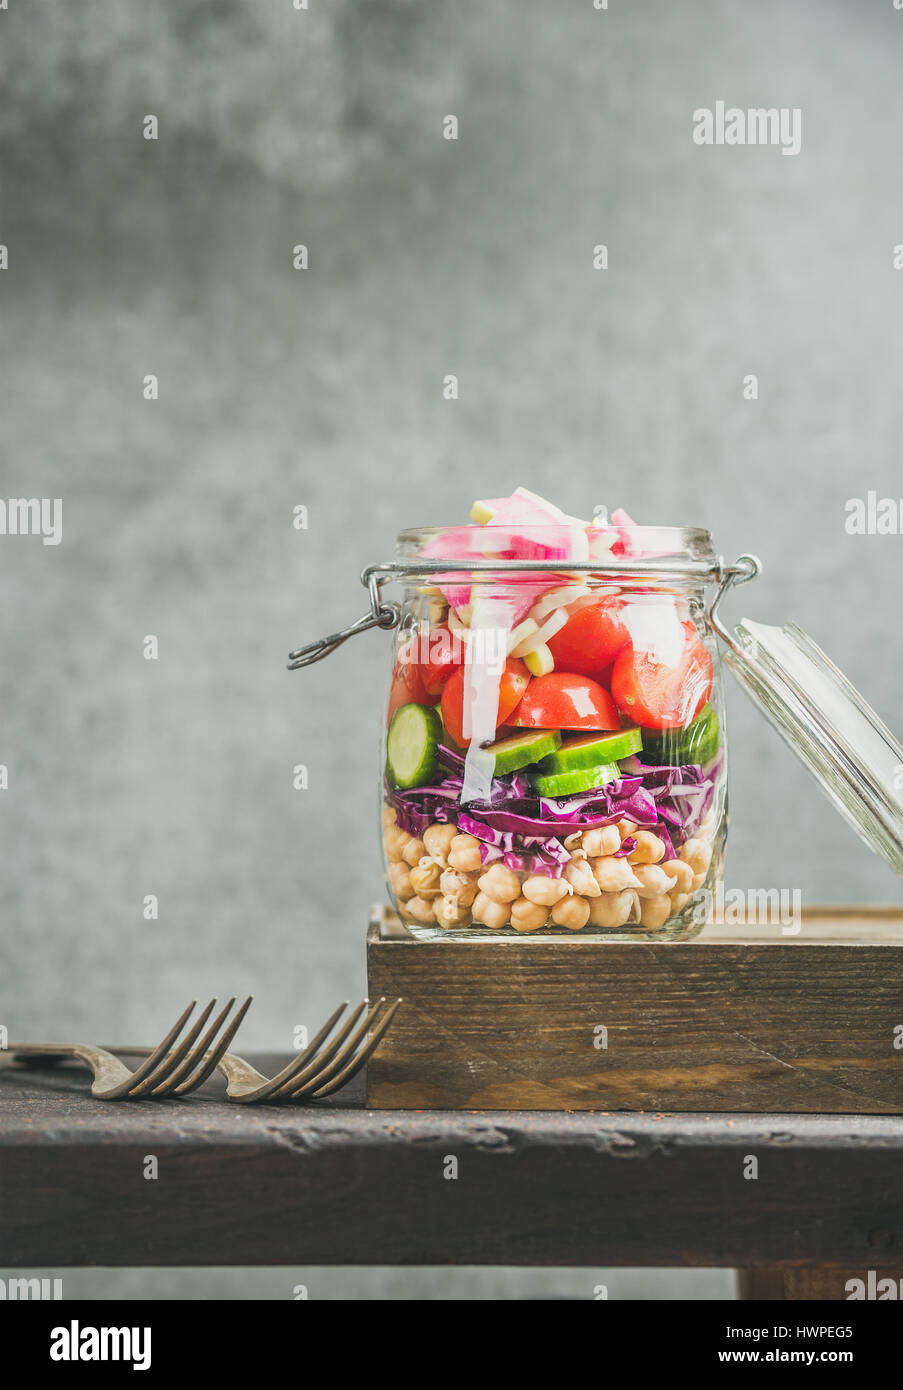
(554, 756)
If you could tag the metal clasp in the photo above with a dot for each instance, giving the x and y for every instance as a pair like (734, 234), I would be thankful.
(743, 569)
(384, 615)
(387, 615)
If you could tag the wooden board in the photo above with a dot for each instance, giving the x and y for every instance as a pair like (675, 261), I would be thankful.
(333, 1183)
(737, 1020)
(821, 1284)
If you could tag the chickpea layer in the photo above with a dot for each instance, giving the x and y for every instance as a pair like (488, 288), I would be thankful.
(439, 879)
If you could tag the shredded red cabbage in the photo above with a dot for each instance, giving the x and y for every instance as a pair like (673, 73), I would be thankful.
(526, 831)
(450, 757)
(533, 855)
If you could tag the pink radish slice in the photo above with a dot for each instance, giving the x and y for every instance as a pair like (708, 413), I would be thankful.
(627, 542)
(521, 528)
(602, 542)
(624, 526)
(456, 594)
(528, 528)
(536, 529)
(457, 543)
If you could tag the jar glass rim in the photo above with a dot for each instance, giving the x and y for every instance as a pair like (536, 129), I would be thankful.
(664, 556)
(671, 542)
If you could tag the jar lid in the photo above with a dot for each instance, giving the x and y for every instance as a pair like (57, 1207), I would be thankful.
(834, 732)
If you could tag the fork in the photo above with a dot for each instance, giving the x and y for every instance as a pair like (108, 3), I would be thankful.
(165, 1072)
(321, 1068)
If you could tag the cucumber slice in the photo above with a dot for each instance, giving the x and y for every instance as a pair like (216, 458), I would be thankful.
(582, 779)
(414, 735)
(697, 743)
(591, 750)
(522, 749)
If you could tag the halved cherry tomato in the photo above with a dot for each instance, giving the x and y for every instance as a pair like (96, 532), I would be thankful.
(407, 687)
(515, 680)
(603, 677)
(657, 696)
(563, 700)
(425, 662)
(438, 653)
(591, 638)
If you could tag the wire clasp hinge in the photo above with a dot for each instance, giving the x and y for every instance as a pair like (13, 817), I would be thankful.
(381, 614)
(743, 569)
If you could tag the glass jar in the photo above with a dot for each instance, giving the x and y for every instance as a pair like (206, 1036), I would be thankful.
(554, 752)
(555, 758)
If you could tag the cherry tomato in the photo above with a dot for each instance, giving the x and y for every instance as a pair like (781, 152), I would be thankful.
(438, 654)
(591, 638)
(663, 697)
(603, 678)
(407, 687)
(563, 700)
(515, 680)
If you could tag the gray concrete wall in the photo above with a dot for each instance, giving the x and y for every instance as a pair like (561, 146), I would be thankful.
(324, 388)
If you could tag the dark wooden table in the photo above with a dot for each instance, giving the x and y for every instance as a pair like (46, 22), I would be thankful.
(335, 1184)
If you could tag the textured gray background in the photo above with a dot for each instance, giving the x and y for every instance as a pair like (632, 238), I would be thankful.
(278, 387)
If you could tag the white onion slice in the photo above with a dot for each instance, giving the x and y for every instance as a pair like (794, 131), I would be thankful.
(456, 623)
(557, 598)
(523, 631)
(539, 636)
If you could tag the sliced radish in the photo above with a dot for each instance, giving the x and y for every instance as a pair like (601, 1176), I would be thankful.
(600, 541)
(536, 500)
(455, 543)
(624, 526)
(525, 526)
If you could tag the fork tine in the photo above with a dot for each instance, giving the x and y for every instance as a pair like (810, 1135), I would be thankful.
(317, 1062)
(174, 1069)
(353, 1067)
(346, 1057)
(325, 1066)
(216, 1055)
(126, 1087)
(296, 1063)
(156, 1082)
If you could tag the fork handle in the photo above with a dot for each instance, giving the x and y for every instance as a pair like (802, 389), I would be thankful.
(33, 1054)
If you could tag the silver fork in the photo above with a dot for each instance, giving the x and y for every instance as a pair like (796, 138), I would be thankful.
(321, 1068)
(165, 1072)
